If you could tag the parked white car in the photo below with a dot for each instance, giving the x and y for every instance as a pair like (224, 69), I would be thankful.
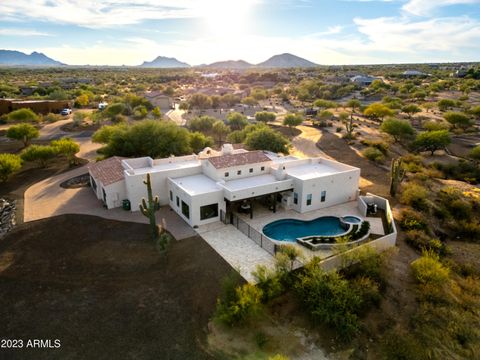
(66, 112)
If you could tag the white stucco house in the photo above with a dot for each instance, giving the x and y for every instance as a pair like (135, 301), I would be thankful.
(364, 80)
(199, 187)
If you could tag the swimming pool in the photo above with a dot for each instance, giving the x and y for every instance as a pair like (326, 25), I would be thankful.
(291, 229)
(351, 219)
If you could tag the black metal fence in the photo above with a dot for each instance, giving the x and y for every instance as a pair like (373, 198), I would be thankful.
(261, 240)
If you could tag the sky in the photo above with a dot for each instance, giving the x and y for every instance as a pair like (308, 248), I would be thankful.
(128, 32)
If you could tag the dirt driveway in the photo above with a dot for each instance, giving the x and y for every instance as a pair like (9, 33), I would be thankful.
(102, 289)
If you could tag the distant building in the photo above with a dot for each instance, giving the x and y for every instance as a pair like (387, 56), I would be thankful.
(413, 73)
(37, 106)
(364, 80)
(164, 102)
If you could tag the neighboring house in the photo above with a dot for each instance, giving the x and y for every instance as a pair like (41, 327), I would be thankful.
(200, 187)
(364, 80)
(164, 102)
(37, 106)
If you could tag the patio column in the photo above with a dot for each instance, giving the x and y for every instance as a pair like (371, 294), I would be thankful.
(251, 209)
(274, 199)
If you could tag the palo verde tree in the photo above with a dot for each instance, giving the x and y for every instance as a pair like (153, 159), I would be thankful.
(265, 116)
(67, 147)
(9, 164)
(398, 129)
(432, 140)
(40, 153)
(23, 133)
(292, 121)
(378, 111)
(149, 208)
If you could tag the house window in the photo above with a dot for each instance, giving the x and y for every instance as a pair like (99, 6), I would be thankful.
(295, 198)
(94, 184)
(239, 172)
(178, 202)
(309, 199)
(251, 170)
(262, 168)
(185, 210)
(323, 196)
(226, 174)
(208, 211)
(171, 195)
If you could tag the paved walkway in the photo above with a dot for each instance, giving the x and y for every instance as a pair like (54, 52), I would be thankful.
(46, 199)
(305, 144)
(237, 249)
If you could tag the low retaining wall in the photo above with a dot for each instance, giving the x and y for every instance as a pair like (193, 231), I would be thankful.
(7, 216)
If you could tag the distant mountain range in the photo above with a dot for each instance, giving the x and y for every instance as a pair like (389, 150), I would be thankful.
(17, 58)
(11, 57)
(165, 63)
(278, 61)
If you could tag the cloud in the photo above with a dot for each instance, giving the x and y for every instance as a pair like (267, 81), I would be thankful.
(425, 7)
(22, 32)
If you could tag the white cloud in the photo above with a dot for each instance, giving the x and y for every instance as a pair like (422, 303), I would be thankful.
(22, 32)
(110, 13)
(425, 7)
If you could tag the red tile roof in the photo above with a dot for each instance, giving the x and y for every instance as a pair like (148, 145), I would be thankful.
(251, 157)
(107, 171)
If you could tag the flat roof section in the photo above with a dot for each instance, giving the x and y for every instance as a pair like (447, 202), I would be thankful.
(250, 182)
(167, 167)
(312, 171)
(196, 184)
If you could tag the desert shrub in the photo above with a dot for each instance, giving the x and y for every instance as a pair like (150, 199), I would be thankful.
(368, 291)
(466, 230)
(9, 164)
(260, 339)
(428, 270)
(329, 299)
(419, 240)
(463, 170)
(51, 117)
(269, 282)
(460, 209)
(22, 115)
(412, 220)
(432, 125)
(403, 346)
(241, 306)
(415, 196)
(373, 154)
(377, 144)
(40, 153)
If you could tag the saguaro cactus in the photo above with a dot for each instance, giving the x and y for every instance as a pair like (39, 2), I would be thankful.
(397, 173)
(149, 209)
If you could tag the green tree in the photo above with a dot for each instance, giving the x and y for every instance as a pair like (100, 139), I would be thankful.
(325, 104)
(185, 106)
(152, 138)
(267, 139)
(265, 116)
(249, 101)
(9, 164)
(200, 101)
(201, 123)
(39, 153)
(67, 147)
(354, 104)
(140, 112)
(398, 129)
(432, 140)
(457, 119)
(82, 100)
(23, 133)
(113, 110)
(292, 121)
(236, 121)
(219, 129)
(198, 141)
(475, 111)
(411, 110)
(378, 111)
(23, 115)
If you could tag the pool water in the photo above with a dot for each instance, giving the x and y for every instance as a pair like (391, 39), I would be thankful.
(352, 219)
(291, 229)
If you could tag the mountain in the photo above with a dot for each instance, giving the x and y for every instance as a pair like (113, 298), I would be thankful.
(164, 62)
(286, 61)
(11, 57)
(230, 64)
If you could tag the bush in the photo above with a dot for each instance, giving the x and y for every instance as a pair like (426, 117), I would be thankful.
(415, 196)
(67, 147)
(428, 270)
(51, 117)
(40, 153)
(267, 139)
(9, 164)
(23, 133)
(244, 305)
(412, 220)
(368, 291)
(269, 282)
(377, 144)
(467, 230)
(373, 154)
(419, 240)
(23, 115)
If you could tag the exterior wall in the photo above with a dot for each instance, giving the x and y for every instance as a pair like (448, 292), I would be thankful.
(136, 189)
(219, 174)
(116, 192)
(41, 107)
(340, 188)
(258, 190)
(194, 203)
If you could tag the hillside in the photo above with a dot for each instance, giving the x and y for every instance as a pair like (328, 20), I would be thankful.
(12, 58)
(231, 64)
(164, 62)
(286, 61)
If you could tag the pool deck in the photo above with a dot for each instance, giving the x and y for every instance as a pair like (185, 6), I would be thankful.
(262, 216)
